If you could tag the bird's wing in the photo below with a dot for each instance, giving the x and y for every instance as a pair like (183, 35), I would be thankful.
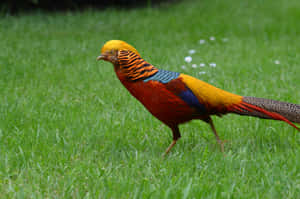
(173, 83)
(182, 91)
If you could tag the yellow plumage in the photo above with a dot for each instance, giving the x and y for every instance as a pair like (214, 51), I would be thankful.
(118, 45)
(210, 95)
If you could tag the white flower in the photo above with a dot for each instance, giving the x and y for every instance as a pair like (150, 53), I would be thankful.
(183, 67)
(201, 41)
(194, 65)
(202, 65)
(212, 38)
(192, 51)
(213, 65)
(225, 39)
(202, 72)
(188, 59)
(277, 62)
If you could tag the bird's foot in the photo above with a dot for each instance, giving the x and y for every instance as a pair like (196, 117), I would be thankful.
(221, 143)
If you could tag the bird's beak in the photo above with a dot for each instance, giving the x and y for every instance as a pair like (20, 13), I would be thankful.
(101, 57)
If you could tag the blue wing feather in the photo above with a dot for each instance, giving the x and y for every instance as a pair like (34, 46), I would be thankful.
(189, 97)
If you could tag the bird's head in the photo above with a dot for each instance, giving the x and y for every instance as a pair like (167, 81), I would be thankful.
(110, 50)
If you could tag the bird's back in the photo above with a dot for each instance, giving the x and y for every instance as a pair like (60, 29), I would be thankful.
(212, 97)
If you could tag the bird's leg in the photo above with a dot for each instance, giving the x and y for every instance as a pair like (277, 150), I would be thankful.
(170, 147)
(209, 120)
(176, 136)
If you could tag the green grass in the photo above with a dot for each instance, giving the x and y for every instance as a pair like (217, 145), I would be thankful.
(69, 129)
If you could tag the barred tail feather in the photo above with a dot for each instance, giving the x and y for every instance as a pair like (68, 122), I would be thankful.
(268, 109)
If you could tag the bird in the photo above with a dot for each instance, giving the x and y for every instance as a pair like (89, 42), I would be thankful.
(176, 98)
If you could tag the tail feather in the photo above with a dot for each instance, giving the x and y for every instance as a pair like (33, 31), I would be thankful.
(268, 109)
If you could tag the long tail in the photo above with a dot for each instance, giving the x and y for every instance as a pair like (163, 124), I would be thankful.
(268, 109)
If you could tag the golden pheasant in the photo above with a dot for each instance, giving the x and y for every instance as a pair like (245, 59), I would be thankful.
(175, 98)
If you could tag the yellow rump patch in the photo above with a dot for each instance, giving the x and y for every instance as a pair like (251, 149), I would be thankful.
(210, 95)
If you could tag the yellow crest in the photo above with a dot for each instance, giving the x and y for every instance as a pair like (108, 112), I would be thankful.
(118, 45)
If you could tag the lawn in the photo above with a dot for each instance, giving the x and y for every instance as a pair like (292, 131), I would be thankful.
(69, 129)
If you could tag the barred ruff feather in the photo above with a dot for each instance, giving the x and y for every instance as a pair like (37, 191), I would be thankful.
(134, 67)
